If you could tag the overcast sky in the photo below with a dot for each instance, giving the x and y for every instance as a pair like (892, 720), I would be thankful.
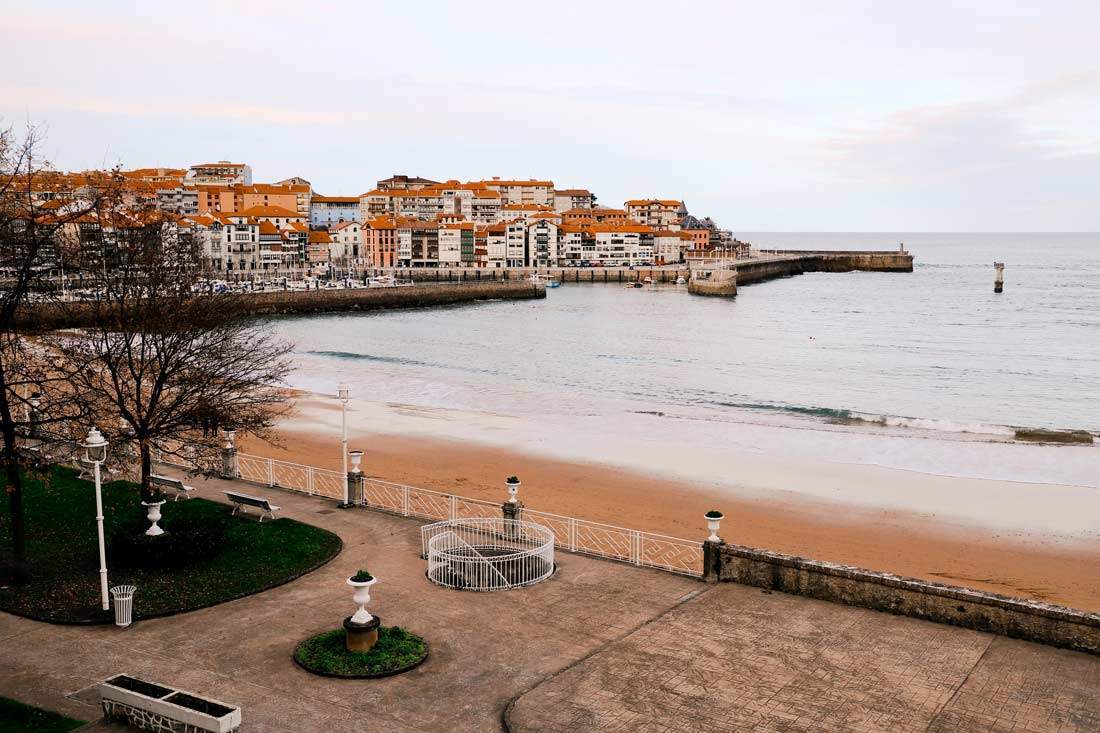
(813, 116)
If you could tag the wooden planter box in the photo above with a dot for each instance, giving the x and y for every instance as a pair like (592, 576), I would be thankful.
(153, 707)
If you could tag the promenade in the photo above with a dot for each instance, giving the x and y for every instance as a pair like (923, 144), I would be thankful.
(598, 646)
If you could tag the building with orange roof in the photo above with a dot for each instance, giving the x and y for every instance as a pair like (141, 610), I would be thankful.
(380, 241)
(573, 198)
(222, 173)
(404, 183)
(597, 215)
(657, 213)
(523, 192)
(456, 244)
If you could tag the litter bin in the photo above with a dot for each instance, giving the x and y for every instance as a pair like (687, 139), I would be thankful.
(123, 596)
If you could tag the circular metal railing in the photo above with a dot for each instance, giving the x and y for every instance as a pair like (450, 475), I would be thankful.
(487, 554)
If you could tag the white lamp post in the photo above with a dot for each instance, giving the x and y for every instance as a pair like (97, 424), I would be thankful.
(95, 452)
(344, 393)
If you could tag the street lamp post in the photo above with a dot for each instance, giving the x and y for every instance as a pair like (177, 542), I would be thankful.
(344, 393)
(95, 452)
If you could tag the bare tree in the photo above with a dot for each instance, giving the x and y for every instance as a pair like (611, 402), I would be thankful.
(172, 364)
(35, 207)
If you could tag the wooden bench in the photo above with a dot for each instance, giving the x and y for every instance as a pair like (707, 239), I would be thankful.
(243, 500)
(167, 482)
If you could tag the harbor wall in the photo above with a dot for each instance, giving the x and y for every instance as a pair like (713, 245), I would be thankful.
(667, 274)
(1044, 623)
(50, 316)
(852, 260)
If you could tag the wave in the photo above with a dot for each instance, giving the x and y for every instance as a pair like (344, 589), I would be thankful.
(853, 418)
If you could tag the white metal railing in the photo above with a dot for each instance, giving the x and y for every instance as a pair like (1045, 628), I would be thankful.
(487, 554)
(646, 549)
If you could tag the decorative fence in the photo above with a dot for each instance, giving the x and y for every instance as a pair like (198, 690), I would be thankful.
(645, 549)
(487, 554)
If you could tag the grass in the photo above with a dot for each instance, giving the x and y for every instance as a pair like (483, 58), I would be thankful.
(15, 717)
(63, 554)
(396, 651)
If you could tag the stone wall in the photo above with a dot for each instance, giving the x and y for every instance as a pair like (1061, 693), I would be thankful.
(49, 316)
(720, 283)
(562, 274)
(1031, 620)
(847, 261)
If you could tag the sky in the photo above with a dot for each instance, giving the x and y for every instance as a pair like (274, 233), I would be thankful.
(777, 116)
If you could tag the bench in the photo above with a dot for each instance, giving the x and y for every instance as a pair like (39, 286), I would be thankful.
(242, 500)
(167, 482)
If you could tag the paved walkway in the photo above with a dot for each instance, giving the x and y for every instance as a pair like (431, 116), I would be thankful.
(738, 659)
(600, 646)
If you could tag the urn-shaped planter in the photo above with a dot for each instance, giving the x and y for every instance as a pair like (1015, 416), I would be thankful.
(361, 598)
(513, 488)
(152, 513)
(714, 519)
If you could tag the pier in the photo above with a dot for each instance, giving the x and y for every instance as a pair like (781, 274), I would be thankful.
(704, 277)
(722, 277)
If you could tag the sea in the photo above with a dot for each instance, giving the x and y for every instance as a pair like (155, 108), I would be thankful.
(928, 371)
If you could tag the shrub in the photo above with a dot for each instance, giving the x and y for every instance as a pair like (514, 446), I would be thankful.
(362, 577)
(185, 540)
(714, 514)
(512, 479)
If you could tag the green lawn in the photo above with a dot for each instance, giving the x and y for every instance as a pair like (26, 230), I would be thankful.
(62, 550)
(15, 717)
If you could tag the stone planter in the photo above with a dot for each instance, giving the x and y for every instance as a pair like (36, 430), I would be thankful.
(153, 515)
(713, 524)
(149, 706)
(362, 598)
(513, 489)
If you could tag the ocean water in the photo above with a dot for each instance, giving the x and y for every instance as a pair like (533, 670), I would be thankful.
(928, 371)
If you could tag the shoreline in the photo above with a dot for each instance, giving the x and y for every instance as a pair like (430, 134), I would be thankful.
(863, 528)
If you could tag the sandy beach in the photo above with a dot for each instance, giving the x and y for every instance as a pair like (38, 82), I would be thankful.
(992, 538)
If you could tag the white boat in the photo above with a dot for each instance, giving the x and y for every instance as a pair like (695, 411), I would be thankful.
(681, 281)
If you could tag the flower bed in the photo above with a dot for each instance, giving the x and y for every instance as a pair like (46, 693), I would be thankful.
(395, 652)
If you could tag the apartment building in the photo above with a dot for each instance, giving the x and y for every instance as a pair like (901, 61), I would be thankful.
(542, 240)
(596, 216)
(326, 211)
(222, 173)
(319, 249)
(237, 198)
(456, 244)
(656, 213)
(178, 200)
(669, 246)
(573, 198)
(539, 193)
(621, 245)
(380, 241)
(417, 243)
(404, 183)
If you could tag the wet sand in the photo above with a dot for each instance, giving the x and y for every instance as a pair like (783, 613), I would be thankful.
(996, 554)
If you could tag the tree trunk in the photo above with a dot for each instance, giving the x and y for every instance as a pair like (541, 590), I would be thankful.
(14, 489)
(146, 470)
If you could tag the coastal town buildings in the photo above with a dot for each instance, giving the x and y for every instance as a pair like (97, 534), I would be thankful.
(404, 221)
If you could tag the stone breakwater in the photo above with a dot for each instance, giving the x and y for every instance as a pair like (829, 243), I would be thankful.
(1044, 623)
(50, 316)
(787, 263)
